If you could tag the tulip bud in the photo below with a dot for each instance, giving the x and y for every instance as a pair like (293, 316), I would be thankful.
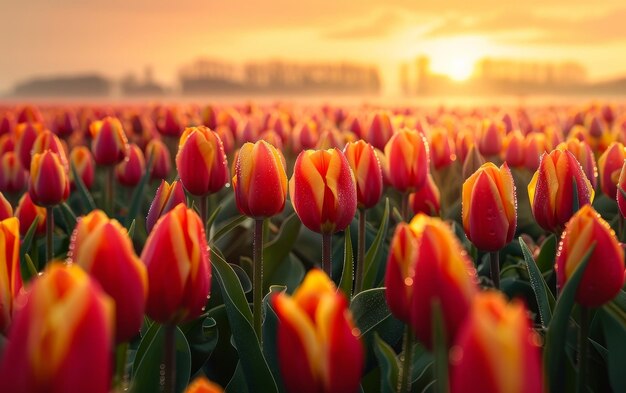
(323, 190)
(29, 114)
(490, 207)
(203, 385)
(305, 135)
(49, 184)
(400, 272)
(82, 160)
(496, 349)
(201, 161)
(48, 141)
(442, 272)
(65, 123)
(514, 149)
(130, 171)
(170, 123)
(584, 155)
(490, 138)
(26, 212)
(109, 144)
(367, 171)
(101, 246)
(427, 199)
(408, 158)
(535, 145)
(25, 135)
(167, 197)
(7, 123)
(550, 191)
(13, 176)
(380, 130)
(157, 152)
(318, 345)
(604, 275)
(209, 116)
(463, 143)
(176, 255)
(7, 144)
(10, 274)
(473, 162)
(6, 210)
(260, 182)
(441, 148)
(609, 167)
(63, 320)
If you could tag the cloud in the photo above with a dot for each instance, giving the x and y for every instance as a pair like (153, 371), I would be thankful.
(529, 27)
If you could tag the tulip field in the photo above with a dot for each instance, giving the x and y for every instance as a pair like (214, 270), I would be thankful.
(312, 248)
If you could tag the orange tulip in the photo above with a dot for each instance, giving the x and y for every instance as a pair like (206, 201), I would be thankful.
(604, 276)
(514, 154)
(10, 274)
(427, 199)
(496, 349)
(130, 171)
(101, 246)
(26, 212)
(157, 152)
(82, 160)
(201, 161)
(318, 345)
(109, 144)
(49, 182)
(260, 182)
(367, 171)
(609, 167)
(63, 320)
(167, 197)
(551, 190)
(323, 190)
(490, 207)
(380, 130)
(584, 155)
(203, 385)
(408, 158)
(176, 255)
(13, 176)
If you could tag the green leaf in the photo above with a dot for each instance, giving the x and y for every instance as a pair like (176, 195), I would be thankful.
(83, 192)
(270, 327)
(25, 248)
(229, 226)
(370, 256)
(246, 284)
(237, 383)
(388, 365)
(617, 308)
(211, 219)
(253, 364)
(149, 357)
(138, 194)
(554, 349)
(545, 260)
(202, 335)
(276, 250)
(31, 270)
(545, 300)
(615, 336)
(68, 216)
(345, 284)
(131, 229)
(440, 349)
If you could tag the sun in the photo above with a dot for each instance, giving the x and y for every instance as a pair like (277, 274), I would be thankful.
(455, 57)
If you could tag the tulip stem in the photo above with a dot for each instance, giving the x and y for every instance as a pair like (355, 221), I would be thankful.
(405, 206)
(121, 353)
(204, 209)
(49, 234)
(108, 195)
(361, 252)
(170, 358)
(404, 380)
(257, 278)
(583, 335)
(326, 247)
(494, 258)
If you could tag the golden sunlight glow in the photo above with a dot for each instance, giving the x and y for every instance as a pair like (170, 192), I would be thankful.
(456, 57)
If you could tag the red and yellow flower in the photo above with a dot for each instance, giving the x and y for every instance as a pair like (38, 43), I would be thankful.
(49, 181)
(109, 144)
(167, 197)
(367, 171)
(10, 274)
(408, 158)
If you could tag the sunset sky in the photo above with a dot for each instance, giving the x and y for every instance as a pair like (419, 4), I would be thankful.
(114, 37)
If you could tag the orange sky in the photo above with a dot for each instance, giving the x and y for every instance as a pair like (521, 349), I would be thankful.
(43, 37)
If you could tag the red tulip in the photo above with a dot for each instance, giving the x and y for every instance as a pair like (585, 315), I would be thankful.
(109, 144)
(408, 158)
(25, 135)
(167, 197)
(49, 183)
(367, 171)
(130, 171)
(82, 160)
(176, 255)
(13, 176)
(427, 199)
(10, 274)
(26, 212)
(157, 152)
(609, 167)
